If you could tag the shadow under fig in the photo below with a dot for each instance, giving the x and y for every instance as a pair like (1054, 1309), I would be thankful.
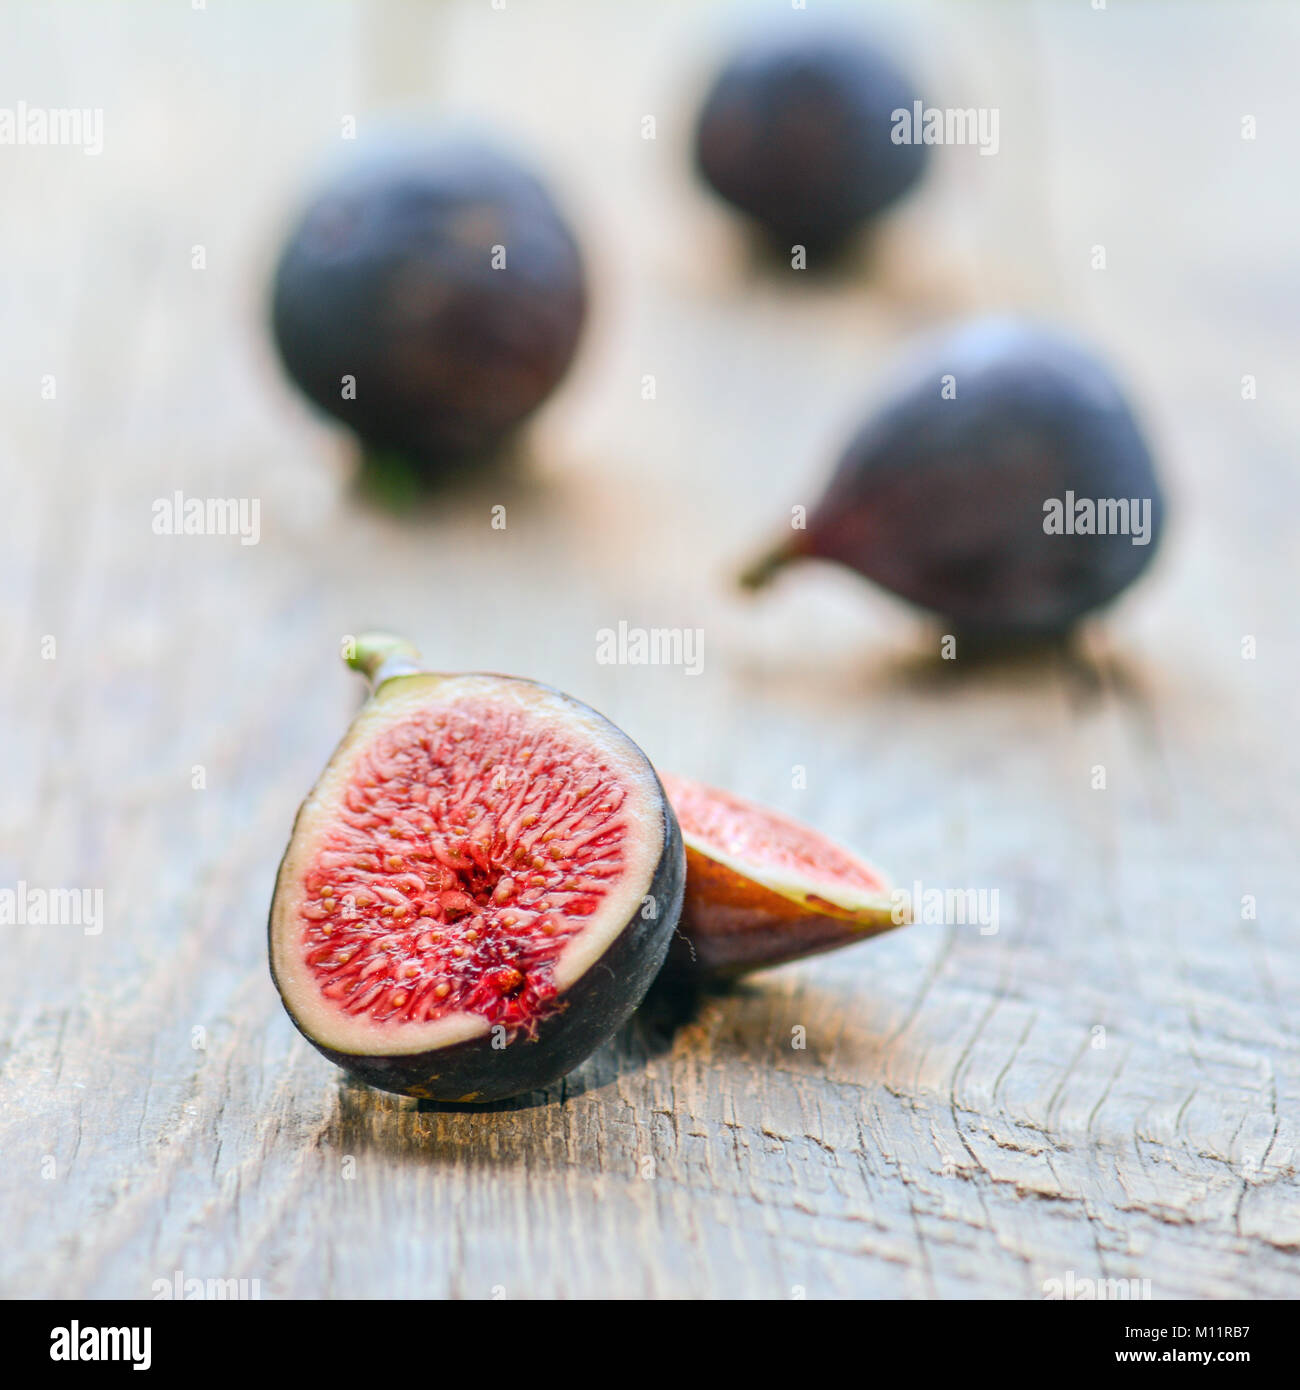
(1026, 662)
(826, 262)
(374, 1121)
(407, 487)
(671, 1003)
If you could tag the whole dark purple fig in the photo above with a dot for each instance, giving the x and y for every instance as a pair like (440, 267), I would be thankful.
(430, 297)
(1004, 485)
(796, 133)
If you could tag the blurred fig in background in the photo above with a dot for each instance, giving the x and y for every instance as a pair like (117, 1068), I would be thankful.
(796, 134)
(431, 297)
(1004, 485)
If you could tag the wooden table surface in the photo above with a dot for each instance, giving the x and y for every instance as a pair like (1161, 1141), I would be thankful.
(1107, 1087)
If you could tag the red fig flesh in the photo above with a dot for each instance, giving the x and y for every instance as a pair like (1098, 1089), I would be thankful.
(762, 889)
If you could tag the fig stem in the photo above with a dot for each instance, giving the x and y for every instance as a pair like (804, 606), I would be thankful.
(761, 571)
(380, 656)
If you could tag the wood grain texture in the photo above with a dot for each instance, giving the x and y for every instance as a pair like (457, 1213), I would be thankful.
(1109, 1084)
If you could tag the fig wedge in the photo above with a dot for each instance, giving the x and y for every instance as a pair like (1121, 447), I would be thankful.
(480, 888)
(762, 890)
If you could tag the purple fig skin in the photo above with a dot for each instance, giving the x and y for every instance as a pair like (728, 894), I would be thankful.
(943, 498)
(440, 277)
(796, 132)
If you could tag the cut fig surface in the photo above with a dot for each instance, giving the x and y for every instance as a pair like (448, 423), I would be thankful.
(761, 889)
(479, 889)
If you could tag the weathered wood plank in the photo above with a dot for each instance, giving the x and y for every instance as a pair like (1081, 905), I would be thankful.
(1108, 1084)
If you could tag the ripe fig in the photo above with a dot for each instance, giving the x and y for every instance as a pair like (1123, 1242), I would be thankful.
(431, 297)
(479, 889)
(796, 133)
(762, 889)
(1004, 485)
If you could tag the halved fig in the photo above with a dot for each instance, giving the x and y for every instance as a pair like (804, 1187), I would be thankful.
(479, 889)
(762, 889)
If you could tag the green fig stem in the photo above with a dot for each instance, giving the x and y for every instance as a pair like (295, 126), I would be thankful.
(755, 576)
(380, 656)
